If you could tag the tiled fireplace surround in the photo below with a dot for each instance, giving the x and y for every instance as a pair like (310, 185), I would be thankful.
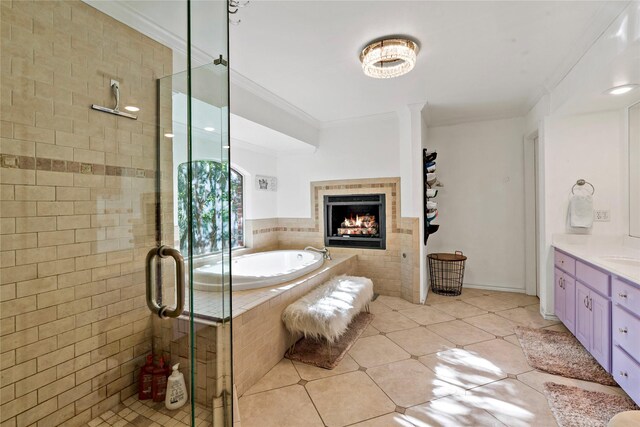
(384, 267)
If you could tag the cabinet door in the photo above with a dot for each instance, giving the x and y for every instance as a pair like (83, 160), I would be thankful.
(559, 296)
(569, 287)
(583, 315)
(601, 329)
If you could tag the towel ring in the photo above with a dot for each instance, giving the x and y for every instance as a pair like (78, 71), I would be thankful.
(582, 182)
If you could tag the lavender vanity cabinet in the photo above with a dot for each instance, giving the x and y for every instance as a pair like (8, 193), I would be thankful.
(603, 312)
(584, 305)
(565, 304)
(626, 336)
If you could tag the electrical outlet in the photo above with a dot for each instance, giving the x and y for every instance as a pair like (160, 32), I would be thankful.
(601, 215)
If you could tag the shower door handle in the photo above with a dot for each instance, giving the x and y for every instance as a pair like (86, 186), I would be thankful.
(163, 311)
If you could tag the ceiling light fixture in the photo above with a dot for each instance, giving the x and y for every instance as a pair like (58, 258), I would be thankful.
(132, 108)
(622, 89)
(209, 129)
(388, 58)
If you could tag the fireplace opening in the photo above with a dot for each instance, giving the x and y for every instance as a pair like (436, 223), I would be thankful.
(355, 221)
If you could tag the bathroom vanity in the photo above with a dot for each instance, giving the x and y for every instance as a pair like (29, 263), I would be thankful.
(597, 298)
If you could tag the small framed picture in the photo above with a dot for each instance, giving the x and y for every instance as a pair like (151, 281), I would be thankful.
(266, 183)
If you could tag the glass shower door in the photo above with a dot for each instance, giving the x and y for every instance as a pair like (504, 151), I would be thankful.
(189, 269)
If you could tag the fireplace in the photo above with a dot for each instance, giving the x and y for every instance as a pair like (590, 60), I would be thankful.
(355, 221)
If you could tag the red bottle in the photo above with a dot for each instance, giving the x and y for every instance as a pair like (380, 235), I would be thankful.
(159, 383)
(145, 380)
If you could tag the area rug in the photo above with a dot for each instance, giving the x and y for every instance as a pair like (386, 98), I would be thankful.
(318, 353)
(576, 407)
(562, 354)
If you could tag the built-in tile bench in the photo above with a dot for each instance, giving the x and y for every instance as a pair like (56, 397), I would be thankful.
(602, 310)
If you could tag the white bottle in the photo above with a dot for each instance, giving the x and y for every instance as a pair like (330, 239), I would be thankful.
(176, 395)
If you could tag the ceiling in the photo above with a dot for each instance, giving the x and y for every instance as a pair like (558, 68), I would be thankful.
(478, 59)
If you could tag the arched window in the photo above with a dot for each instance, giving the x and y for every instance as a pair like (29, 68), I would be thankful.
(211, 212)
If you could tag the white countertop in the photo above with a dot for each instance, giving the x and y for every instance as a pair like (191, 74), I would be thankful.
(592, 249)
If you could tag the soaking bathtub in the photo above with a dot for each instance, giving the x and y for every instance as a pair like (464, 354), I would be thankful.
(258, 270)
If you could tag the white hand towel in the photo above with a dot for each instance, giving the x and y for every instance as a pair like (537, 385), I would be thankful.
(581, 211)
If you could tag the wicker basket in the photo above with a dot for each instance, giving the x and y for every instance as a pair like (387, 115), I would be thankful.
(446, 272)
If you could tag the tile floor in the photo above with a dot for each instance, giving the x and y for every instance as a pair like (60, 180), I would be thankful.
(135, 413)
(452, 362)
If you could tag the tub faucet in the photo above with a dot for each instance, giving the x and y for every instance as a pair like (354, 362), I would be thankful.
(324, 251)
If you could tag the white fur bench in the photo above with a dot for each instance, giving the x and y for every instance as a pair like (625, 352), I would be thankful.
(326, 311)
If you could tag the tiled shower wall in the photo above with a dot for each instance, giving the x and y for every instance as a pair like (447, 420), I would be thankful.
(77, 210)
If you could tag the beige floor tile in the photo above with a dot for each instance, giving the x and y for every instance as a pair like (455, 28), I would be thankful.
(472, 293)
(396, 303)
(433, 298)
(459, 309)
(377, 307)
(288, 406)
(281, 375)
(392, 321)
(513, 339)
(520, 298)
(513, 403)
(493, 324)
(526, 317)
(410, 383)
(347, 399)
(393, 419)
(536, 379)
(506, 356)
(376, 350)
(420, 341)
(460, 333)
(463, 368)
(558, 328)
(426, 315)
(535, 308)
(492, 303)
(452, 411)
(369, 331)
(309, 372)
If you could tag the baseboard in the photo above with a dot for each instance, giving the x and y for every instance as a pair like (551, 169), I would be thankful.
(493, 288)
(549, 317)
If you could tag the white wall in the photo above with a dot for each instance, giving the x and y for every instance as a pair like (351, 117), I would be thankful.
(251, 162)
(592, 147)
(362, 148)
(481, 206)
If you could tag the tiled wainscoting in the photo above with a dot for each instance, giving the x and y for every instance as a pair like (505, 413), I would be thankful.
(77, 210)
(394, 271)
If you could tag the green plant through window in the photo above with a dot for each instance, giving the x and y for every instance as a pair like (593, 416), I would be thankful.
(213, 222)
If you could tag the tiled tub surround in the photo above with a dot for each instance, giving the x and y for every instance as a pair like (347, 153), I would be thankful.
(77, 210)
(394, 271)
(600, 304)
(260, 339)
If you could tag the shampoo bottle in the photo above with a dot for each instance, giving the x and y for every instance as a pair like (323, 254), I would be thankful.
(176, 389)
(145, 379)
(159, 385)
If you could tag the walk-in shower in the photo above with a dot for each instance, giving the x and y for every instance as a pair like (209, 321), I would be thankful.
(104, 106)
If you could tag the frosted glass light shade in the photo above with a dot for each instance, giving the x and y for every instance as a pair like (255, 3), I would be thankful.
(389, 58)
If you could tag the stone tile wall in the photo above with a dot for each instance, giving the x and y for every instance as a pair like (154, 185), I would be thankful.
(77, 214)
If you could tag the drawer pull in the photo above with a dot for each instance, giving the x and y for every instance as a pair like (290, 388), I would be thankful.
(622, 295)
(622, 330)
(623, 374)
